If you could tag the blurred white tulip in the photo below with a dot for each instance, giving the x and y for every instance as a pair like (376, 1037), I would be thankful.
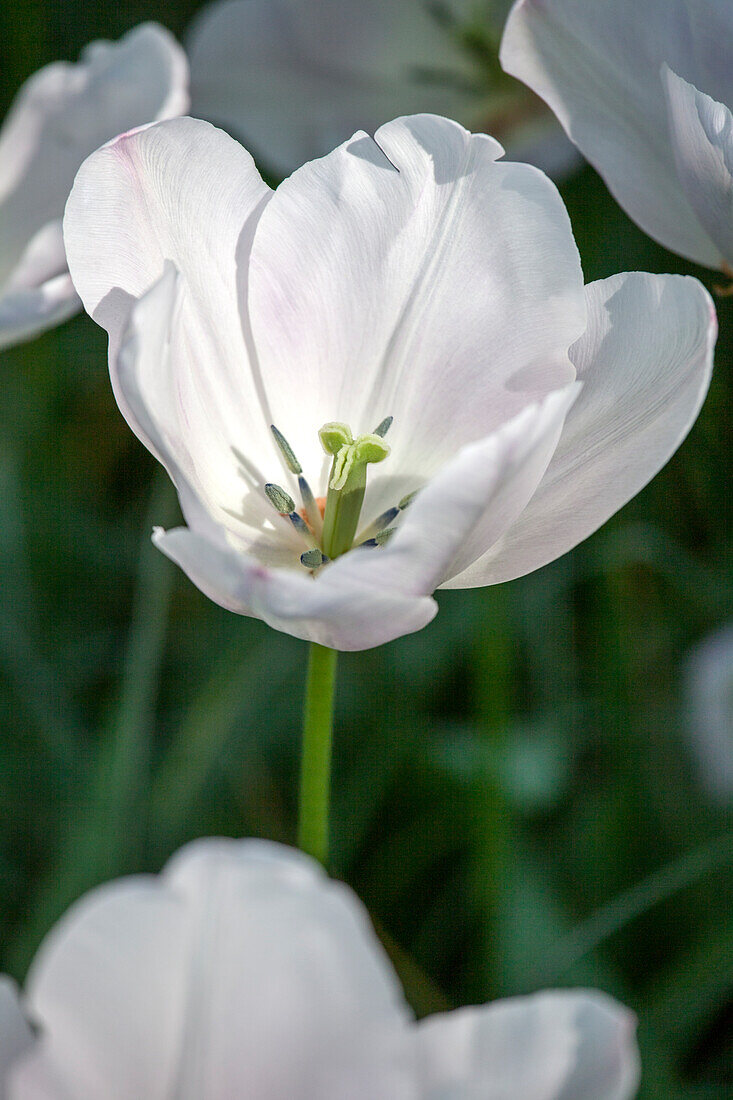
(60, 115)
(294, 78)
(645, 90)
(243, 972)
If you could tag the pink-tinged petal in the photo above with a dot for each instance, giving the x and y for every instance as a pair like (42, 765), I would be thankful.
(293, 81)
(645, 364)
(338, 609)
(597, 65)
(157, 392)
(702, 140)
(413, 275)
(184, 192)
(569, 1045)
(240, 971)
(66, 111)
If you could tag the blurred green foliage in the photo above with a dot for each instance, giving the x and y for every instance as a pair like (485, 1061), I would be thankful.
(516, 804)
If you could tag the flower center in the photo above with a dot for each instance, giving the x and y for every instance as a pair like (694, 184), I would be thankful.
(329, 527)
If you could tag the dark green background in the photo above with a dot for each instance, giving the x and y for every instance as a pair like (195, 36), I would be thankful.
(514, 801)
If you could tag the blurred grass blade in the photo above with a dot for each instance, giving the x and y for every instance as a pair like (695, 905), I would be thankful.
(102, 831)
(38, 685)
(238, 693)
(657, 887)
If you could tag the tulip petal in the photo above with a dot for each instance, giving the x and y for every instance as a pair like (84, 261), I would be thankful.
(415, 276)
(149, 383)
(27, 313)
(339, 609)
(240, 971)
(467, 507)
(61, 115)
(702, 137)
(16, 1035)
(598, 67)
(39, 292)
(566, 1045)
(645, 364)
(293, 84)
(184, 192)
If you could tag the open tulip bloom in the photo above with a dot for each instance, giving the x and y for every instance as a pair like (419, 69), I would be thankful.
(58, 118)
(294, 78)
(384, 377)
(242, 971)
(645, 90)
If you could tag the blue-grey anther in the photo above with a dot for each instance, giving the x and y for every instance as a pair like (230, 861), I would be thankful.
(378, 525)
(310, 507)
(312, 559)
(300, 525)
(287, 451)
(384, 427)
(280, 500)
(381, 538)
(347, 482)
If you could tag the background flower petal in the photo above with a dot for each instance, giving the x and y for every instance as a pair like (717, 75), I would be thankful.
(241, 971)
(598, 66)
(16, 1035)
(413, 275)
(564, 1045)
(645, 364)
(293, 83)
(58, 118)
(702, 138)
(26, 313)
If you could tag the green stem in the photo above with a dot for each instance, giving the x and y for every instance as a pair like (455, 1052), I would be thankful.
(315, 768)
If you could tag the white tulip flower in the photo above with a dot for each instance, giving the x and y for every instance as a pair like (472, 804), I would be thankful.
(60, 115)
(645, 90)
(295, 78)
(243, 972)
(398, 334)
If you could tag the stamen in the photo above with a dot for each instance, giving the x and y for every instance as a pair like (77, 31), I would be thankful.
(287, 451)
(310, 507)
(384, 427)
(313, 559)
(379, 524)
(285, 505)
(382, 522)
(381, 538)
(301, 526)
(280, 500)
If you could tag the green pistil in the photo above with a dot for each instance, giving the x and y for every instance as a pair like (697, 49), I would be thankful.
(347, 483)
